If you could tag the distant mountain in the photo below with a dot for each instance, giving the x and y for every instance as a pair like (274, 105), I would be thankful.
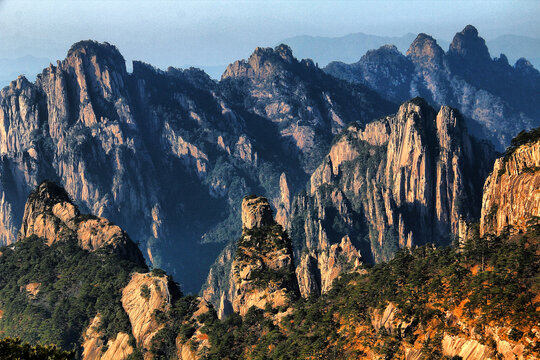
(515, 47)
(168, 155)
(348, 48)
(497, 99)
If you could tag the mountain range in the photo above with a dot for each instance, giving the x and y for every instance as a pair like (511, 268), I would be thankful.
(349, 48)
(79, 281)
(357, 211)
(497, 99)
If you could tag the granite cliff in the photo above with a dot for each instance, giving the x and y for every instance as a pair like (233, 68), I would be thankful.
(401, 181)
(511, 198)
(497, 99)
(261, 271)
(173, 149)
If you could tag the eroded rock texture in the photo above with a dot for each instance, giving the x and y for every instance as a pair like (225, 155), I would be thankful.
(512, 191)
(404, 180)
(172, 149)
(261, 271)
(497, 99)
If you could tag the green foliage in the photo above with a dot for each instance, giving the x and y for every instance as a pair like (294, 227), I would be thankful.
(177, 321)
(158, 272)
(145, 292)
(523, 138)
(75, 285)
(15, 349)
(496, 277)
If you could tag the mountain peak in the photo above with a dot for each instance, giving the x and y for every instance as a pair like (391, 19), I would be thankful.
(468, 45)
(470, 31)
(262, 63)
(104, 52)
(285, 52)
(256, 212)
(50, 214)
(48, 194)
(424, 49)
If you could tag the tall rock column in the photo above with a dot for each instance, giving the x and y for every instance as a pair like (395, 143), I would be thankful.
(262, 270)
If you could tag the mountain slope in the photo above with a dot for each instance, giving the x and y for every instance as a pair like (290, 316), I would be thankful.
(64, 269)
(512, 191)
(401, 181)
(475, 301)
(173, 149)
(497, 99)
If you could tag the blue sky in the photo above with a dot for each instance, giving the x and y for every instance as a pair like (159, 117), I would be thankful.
(181, 32)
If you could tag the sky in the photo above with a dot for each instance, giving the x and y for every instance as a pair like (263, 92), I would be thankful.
(204, 32)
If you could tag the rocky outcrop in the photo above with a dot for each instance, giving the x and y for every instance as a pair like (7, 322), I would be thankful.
(220, 288)
(262, 268)
(316, 272)
(261, 272)
(198, 344)
(141, 298)
(497, 99)
(50, 214)
(144, 145)
(511, 197)
(95, 348)
(404, 180)
(272, 76)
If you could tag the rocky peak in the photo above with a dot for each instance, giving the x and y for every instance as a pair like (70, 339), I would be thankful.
(262, 63)
(285, 52)
(256, 212)
(262, 271)
(469, 46)
(401, 181)
(383, 53)
(105, 53)
(50, 214)
(424, 51)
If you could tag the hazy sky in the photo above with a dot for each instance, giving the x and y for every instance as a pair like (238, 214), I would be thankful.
(180, 32)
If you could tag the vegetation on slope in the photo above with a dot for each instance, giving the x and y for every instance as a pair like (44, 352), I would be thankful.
(491, 281)
(14, 349)
(70, 287)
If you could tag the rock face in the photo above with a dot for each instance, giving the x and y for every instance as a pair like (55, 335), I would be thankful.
(50, 214)
(117, 348)
(262, 269)
(173, 149)
(498, 100)
(144, 295)
(404, 180)
(272, 76)
(512, 191)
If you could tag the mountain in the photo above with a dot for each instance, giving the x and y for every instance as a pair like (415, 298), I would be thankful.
(173, 149)
(497, 99)
(516, 47)
(348, 48)
(477, 300)
(78, 281)
(65, 269)
(511, 197)
(402, 181)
